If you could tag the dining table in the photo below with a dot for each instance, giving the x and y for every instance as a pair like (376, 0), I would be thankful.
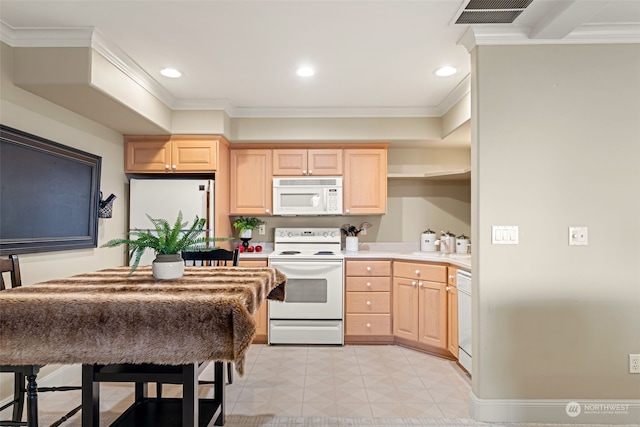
(128, 326)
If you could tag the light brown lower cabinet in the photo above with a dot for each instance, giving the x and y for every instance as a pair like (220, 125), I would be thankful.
(261, 316)
(420, 304)
(368, 302)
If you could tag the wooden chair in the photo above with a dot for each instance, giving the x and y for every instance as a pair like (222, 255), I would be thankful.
(215, 257)
(11, 265)
(211, 258)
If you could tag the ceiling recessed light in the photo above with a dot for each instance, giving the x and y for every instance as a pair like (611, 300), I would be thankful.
(305, 72)
(445, 71)
(170, 72)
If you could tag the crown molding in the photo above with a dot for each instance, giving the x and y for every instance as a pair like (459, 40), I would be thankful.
(45, 37)
(514, 35)
(463, 88)
(123, 62)
(334, 112)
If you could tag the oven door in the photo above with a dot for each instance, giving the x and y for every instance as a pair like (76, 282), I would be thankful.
(314, 290)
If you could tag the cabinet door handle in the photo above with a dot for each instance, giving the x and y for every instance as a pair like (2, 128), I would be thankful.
(174, 167)
(304, 171)
(448, 288)
(310, 172)
(346, 211)
(266, 210)
(451, 276)
(166, 167)
(420, 284)
(413, 283)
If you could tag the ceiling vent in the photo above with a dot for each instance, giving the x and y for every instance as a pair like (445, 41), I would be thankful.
(492, 11)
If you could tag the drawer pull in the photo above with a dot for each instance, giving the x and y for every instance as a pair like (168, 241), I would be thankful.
(368, 302)
(368, 284)
(368, 268)
(417, 272)
(368, 325)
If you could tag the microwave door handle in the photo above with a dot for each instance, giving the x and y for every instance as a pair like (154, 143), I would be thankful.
(315, 200)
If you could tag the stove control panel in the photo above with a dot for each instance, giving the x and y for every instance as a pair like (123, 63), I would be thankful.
(307, 235)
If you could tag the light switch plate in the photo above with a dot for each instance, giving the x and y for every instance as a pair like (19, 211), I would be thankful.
(578, 236)
(504, 234)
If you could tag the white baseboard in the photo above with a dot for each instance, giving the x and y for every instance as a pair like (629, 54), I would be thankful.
(556, 411)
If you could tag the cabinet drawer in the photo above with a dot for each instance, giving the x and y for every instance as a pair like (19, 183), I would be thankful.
(368, 302)
(368, 284)
(368, 324)
(369, 268)
(413, 270)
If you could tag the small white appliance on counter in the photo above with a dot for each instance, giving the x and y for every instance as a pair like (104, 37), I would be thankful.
(463, 280)
(313, 309)
(164, 198)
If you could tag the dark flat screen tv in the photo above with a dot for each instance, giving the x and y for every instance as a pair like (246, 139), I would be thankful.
(49, 195)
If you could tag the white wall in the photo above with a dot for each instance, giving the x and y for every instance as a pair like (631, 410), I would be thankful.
(22, 110)
(556, 143)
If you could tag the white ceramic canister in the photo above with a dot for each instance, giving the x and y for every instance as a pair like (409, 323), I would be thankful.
(428, 241)
(351, 244)
(447, 242)
(462, 244)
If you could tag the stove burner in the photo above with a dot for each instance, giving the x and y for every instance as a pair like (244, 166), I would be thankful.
(289, 252)
(324, 253)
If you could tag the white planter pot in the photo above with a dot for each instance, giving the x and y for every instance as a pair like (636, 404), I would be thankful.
(167, 267)
(246, 234)
(351, 243)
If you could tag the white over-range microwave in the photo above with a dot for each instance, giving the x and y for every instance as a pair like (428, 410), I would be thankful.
(320, 195)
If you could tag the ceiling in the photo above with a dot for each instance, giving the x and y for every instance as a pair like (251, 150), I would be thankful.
(372, 58)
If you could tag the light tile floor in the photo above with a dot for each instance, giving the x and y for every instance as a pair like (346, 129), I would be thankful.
(313, 381)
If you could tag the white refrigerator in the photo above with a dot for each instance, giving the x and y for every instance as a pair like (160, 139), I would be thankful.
(164, 198)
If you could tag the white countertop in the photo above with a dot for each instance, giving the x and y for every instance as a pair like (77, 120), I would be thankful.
(397, 251)
(462, 261)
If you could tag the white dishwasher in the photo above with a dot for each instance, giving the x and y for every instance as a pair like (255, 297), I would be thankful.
(463, 280)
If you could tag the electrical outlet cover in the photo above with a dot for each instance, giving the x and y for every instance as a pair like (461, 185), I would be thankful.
(634, 363)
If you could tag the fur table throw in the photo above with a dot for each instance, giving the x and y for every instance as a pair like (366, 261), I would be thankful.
(112, 317)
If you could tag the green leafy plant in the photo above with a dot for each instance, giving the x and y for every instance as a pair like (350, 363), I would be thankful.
(166, 240)
(243, 223)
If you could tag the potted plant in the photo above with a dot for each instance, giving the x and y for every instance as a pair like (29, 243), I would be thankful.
(244, 226)
(168, 242)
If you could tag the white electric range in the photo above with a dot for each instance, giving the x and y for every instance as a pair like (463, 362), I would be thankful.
(313, 309)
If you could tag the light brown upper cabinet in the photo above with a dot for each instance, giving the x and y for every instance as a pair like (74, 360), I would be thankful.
(171, 153)
(250, 182)
(365, 181)
(303, 162)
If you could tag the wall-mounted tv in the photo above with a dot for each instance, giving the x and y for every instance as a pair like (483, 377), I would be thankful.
(49, 195)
